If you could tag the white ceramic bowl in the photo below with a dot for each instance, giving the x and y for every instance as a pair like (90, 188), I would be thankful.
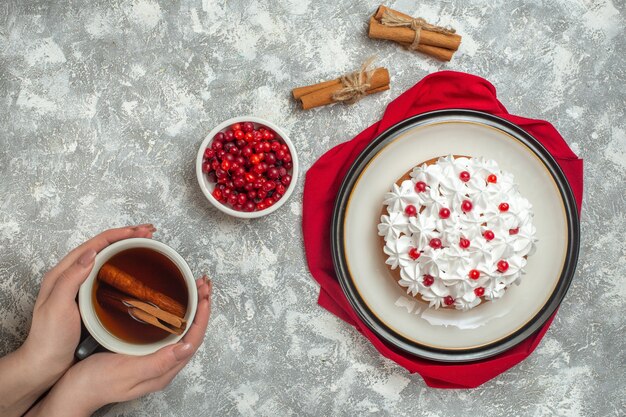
(88, 314)
(207, 186)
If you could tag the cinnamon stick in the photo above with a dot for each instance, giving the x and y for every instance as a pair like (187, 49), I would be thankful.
(128, 284)
(407, 35)
(302, 91)
(322, 94)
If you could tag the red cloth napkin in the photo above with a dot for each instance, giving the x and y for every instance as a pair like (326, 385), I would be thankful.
(441, 90)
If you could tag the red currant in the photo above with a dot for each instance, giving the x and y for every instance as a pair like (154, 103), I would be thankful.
(464, 176)
(209, 153)
(217, 193)
(428, 280)
(286, 180)
(474, 274)
(480, 291)
(492, 179)
(444, 213)
(503, 207)
(236, 126)
(448, 300)
(514, 231)
(435, 243)
(420, 186)
(503, 266)
(248, 127)
(239, 134)
(488, 235)
(410, 210)
(414, 253)
(464, 243)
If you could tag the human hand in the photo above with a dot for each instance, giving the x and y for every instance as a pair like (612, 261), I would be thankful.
(105, 378)
(55, 330)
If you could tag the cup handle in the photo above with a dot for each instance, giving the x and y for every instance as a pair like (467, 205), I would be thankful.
(86, 348)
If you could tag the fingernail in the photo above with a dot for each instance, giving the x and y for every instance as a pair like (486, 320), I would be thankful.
(87, 258)
(182, 351)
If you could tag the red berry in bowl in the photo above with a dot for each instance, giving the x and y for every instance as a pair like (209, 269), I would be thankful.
(273, 173)
(248, 127)
(239, 134)
(286, 180)
(209, 153)
(229, 135)
(236, 126)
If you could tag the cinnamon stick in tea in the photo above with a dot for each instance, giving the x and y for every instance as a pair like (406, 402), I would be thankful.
(407, 35)
(323, 93)
(128, 284)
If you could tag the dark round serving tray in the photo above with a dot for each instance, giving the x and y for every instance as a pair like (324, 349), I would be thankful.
(338, 252)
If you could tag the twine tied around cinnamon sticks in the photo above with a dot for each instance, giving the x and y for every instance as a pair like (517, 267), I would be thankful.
(348, 88)
(355, 84)
(414, 33)
(415, 23)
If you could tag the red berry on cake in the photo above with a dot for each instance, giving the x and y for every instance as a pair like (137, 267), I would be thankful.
(464, 176)
(420, 186)
(466, 206)
(474, 274)
(435, 243)
(444, 213)
(448, 300)
(464, 243)
(410, 210)
(503, 266)
(503, 207)
(514, 231)
(480, 291)
(414, 253)
(488, 235)
(428, 280)
(492, 179)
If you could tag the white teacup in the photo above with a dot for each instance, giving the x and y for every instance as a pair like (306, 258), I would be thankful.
(87, 311)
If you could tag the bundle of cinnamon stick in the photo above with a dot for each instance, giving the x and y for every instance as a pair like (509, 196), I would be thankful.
(414, 33)
(348, 88)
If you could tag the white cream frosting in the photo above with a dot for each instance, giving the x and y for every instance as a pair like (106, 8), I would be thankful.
(449, 266)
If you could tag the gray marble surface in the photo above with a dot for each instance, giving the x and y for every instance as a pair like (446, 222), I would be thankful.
(104, 103)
